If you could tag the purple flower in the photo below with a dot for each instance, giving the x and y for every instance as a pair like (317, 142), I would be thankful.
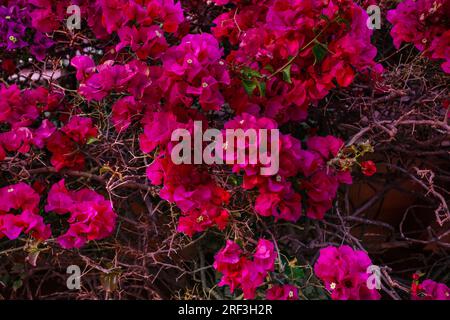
(14, 36)
(41, 43)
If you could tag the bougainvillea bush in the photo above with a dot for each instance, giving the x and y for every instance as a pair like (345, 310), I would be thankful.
(93, 91)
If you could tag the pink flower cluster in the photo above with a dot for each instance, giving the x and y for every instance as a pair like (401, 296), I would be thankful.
(344, 273)
(19, 111)
(282, 292)
(91, 215)
(190, 187)
(164, 96)
(321, 180)
(65, 143)
(124, 111)
(194, 69)
(96, 82)
(19, 213)
(292, 53)
(194, 191)
(238, 271)
(277, 195)
(201, 200)
(191, 72)
(431, 290)
(118, 13)
(107, 16)
(425, 24)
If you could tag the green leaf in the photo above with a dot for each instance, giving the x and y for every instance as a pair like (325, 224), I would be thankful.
(239, 242)
(324, 17)
(17, 284)
(92, 140)
(249, 86)
(250, 73)
(262, 88)
(298, 273)
(339, 19)
(287, 74)
(320, 51)
(235, 180)
(269, 68)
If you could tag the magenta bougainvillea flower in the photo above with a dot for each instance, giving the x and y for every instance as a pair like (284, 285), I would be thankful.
(20, 111)
(239, 271)
(65, 143)
(344, 273)
(96, 82)
(91, 215)
(194, 191)
(19, 213)
(124, 111)
(194, 69)
(431, 290)
(146, 42)
(158, 128)
(80, 129)
(294, 52)
(85, 67)
(282, 292)
(423, 23)
(322, 181)
(107, 17)
(277, 198)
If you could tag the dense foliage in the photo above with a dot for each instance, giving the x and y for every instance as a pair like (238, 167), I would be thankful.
(86, 112)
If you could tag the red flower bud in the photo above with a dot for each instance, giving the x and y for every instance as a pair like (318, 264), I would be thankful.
(368, 168)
